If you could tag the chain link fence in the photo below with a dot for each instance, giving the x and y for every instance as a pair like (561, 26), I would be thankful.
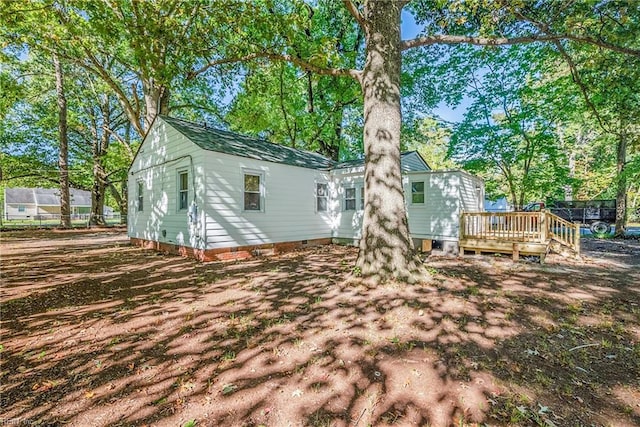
(53, 220)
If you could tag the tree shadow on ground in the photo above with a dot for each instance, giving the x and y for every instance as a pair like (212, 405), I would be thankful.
(114, 335)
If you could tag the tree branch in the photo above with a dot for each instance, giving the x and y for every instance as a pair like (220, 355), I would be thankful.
(97, 68)
(341, 72)
(504, 41)
(353, 10)
(477, 41)
(32, 175)
(285, 116)
(575, 75)
(580, 39)
(334, 109)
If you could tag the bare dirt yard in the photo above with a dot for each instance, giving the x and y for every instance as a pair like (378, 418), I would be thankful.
(96, 332)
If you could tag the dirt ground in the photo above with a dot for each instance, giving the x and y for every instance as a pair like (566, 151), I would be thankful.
(95, 332)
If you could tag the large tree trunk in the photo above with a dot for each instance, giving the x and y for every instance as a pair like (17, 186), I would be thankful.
(621, 187)
(100, 144)
(63, 157)
(386, 248)
(98, 193)
(99, 149)
(156, 100)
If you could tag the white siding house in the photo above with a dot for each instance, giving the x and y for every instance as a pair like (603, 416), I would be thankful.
(43, 203)
(222, 194)
(218, 195)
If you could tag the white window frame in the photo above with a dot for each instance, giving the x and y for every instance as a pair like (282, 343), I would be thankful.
(354, 198)
(261, 190)
(140, 195)
(361, 195)
(417, 193)
(182, 191)
(22, 208)
(325, 196)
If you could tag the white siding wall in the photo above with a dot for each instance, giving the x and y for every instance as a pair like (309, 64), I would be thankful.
(471, 193)
(12, 211)
(447, 193)
(165, 152)
(289, 203)
(347, 224)
(438, 218)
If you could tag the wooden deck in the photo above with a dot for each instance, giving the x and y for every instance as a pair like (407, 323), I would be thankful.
(516, 233)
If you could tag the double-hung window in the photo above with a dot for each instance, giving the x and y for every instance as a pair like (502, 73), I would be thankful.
(417, 192)
(183, 190)
(140, 196)
(252, 191)
(322, 197)
(350, 199)
(362, 198)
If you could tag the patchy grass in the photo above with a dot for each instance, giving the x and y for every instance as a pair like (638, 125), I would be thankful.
(96, 332)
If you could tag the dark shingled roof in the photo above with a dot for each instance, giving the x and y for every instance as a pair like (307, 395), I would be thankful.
(45, 196)
(410, 161)
(239, 145)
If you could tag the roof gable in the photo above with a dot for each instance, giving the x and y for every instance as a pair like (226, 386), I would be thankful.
(412, 161)
(240, 145)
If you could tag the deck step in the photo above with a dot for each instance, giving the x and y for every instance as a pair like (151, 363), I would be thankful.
(504, 246)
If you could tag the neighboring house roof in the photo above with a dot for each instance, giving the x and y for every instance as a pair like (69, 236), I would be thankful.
(240, 145)
(80, 197)
(410, 161)
(45, 196)
(23, 196)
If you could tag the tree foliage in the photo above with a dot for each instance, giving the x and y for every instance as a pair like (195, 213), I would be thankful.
(509, 130)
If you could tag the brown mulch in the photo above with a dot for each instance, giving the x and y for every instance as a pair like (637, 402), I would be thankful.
(95, 332)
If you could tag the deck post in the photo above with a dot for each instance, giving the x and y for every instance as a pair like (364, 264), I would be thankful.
(461, 234)
(544, 228)
(516, 252)
(577, 240)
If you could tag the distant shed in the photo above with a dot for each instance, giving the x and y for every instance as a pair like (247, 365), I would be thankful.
(500, 205)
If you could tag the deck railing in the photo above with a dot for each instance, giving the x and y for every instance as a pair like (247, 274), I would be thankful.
(564, 231)
(530, 227)
(508, 226)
